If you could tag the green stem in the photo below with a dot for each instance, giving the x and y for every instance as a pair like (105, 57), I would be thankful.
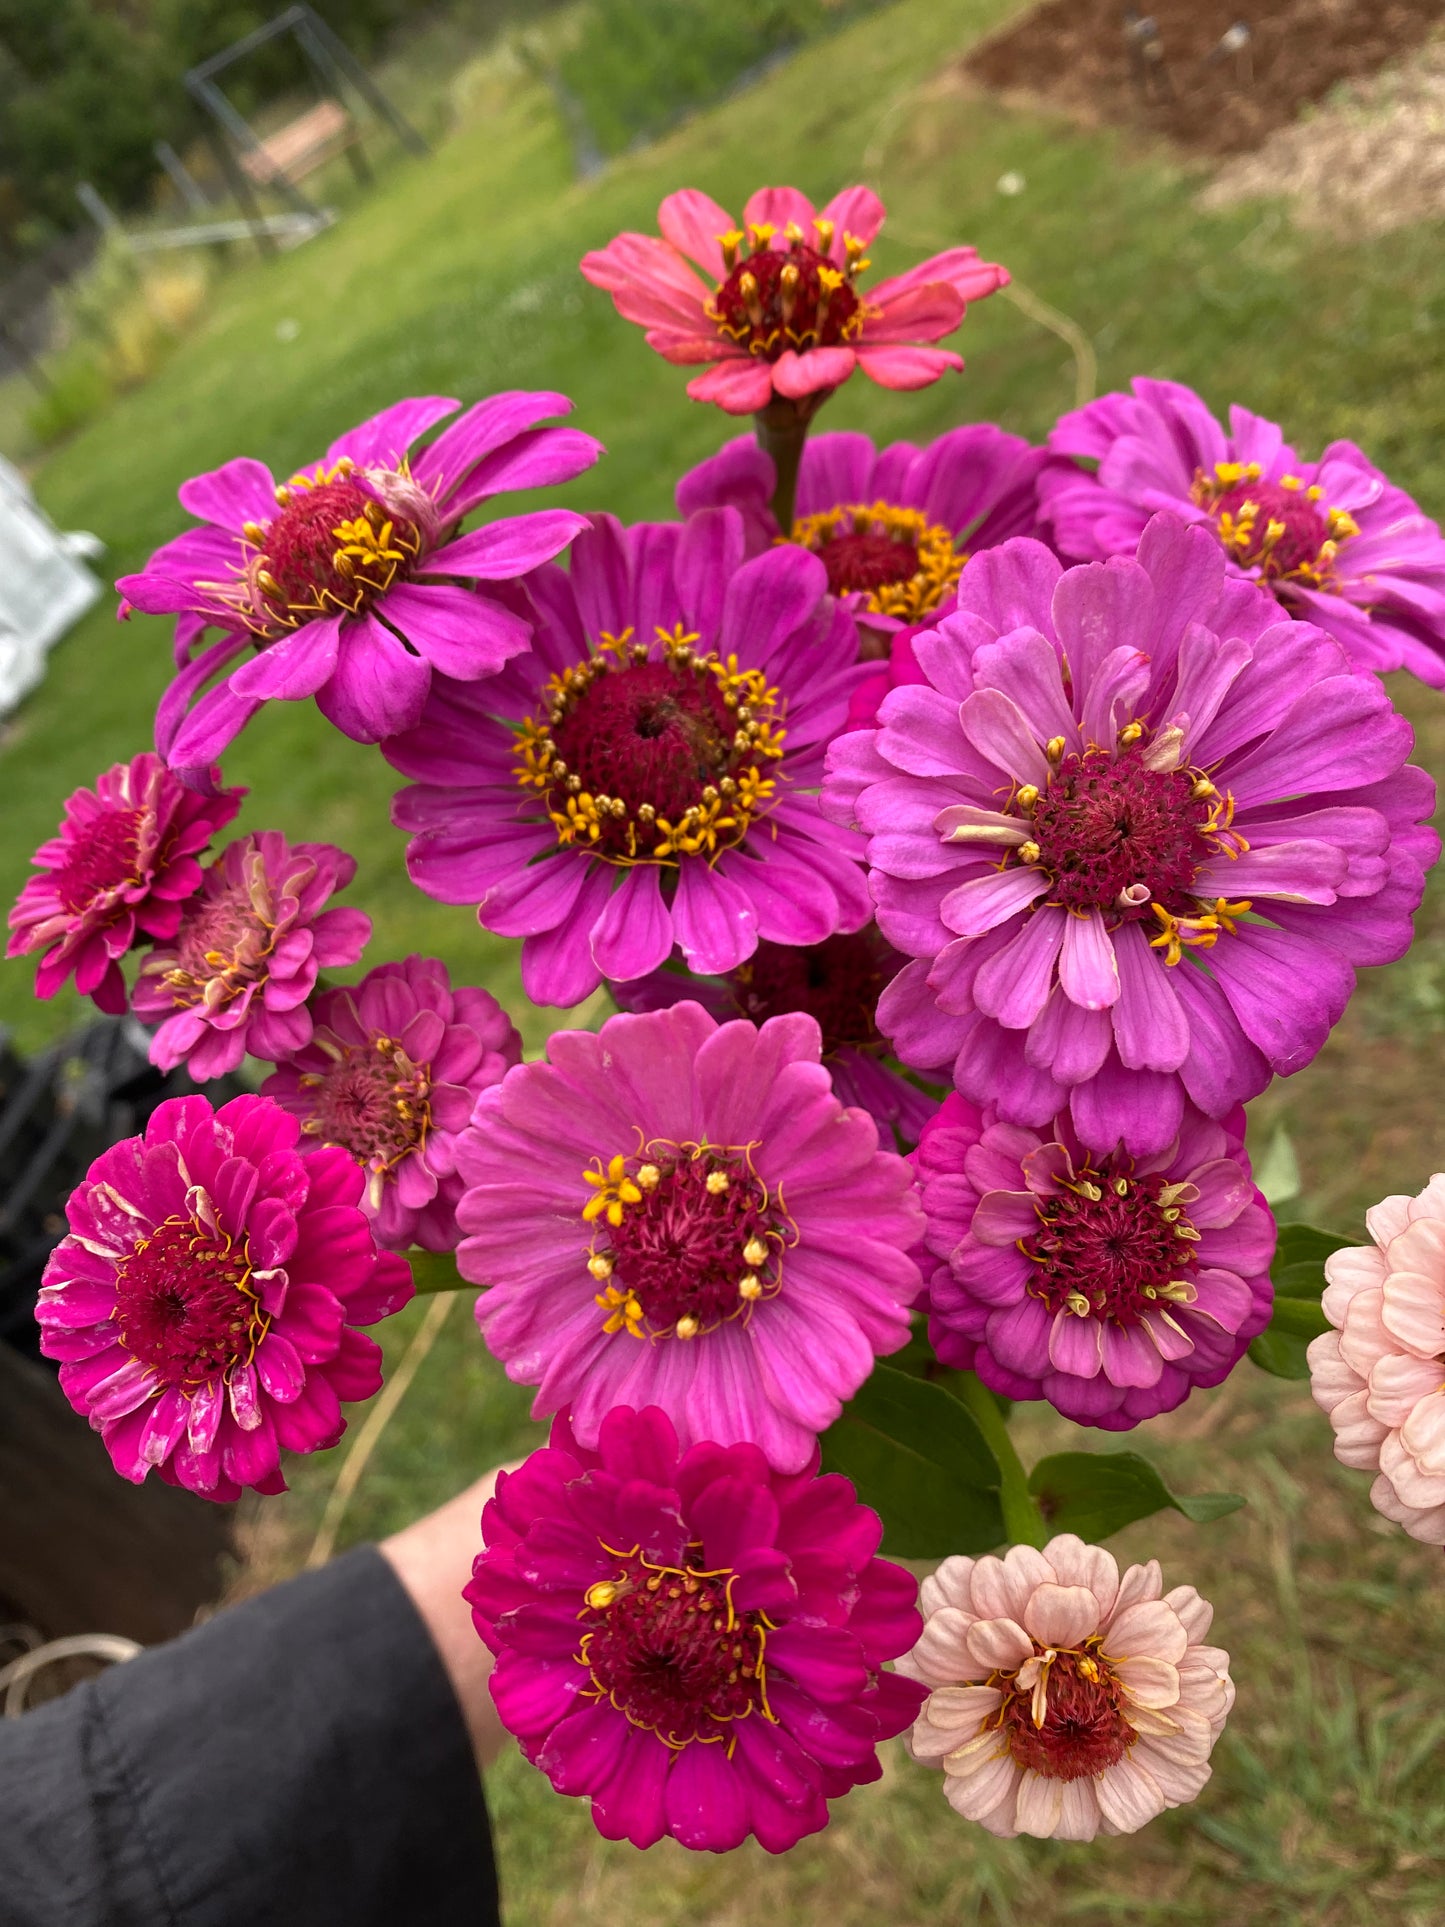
(782, 428)
(435, 1271)
(1023, 1522)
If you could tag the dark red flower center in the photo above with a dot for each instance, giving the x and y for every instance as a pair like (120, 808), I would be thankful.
(838, 981)
(223, 945)
(900, 562)
(333, 547)
(1083, 1732)
(687, 1238)
(1110, 1245)
(1107, 825)
(372, 1101)
(1277, 528)
(867, 560)
(665, 1646)
(184, 1306)
(104, 858)
(647, 759)
(773, 300)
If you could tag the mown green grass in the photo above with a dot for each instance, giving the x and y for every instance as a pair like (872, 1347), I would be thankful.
(459, 276)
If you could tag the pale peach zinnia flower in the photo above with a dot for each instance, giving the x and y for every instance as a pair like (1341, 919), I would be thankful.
(1066, 1701)
(1378, 1374)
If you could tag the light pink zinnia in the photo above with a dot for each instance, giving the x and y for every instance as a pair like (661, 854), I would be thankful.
(778, 309)
(237, 974)
(1378, 1373)
(1066, 1700)
(392, 1070)
(118, 870)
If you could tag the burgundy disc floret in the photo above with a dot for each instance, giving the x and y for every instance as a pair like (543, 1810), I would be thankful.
(203, 1304)
(352, 580)
(236, 975)
(393, 1068)
(124, 860)
(693, 1641)
(1334, 540)
(1136, 831)
(680, 1213)
(646, 776)
(1110, 1285)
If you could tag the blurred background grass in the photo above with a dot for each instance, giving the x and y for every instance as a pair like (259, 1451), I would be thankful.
(457, 274)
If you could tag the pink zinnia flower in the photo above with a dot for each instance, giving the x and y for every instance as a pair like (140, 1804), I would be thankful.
(1334, 540)
(695, 1642)
(202, 1305)
(345, 578)
(679, 1213)
(1066, 1700)
(392, 1070)
(124, 860)
(643, 777)
(1137, 831)
(838, 982)
(236, 975)
(1109, 1285)
(1378, 1374)
(777, 306)
(894, 526)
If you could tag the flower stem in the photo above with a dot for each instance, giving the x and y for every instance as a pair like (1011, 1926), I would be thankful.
(435, 1271)
(1023, 1522)
(782, 429)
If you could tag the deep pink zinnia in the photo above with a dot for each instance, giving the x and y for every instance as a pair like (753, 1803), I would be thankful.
(392, 1070)
(894, 526)
(1334, 540)
(125, 858)
(679, 1213)
(694, 1642)
(203, 1304)
(1111, 1286)
(1136, 831)
(348, 578)
(777, 306)
(645, 777)
(838, 982)
(236, 975)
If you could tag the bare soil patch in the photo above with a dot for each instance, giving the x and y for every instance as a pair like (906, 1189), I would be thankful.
(1207, 97)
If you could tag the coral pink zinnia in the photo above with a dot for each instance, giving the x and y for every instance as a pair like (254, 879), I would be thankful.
(236, 975)
(1378, 1374)
(352, 579)
(1066, 1699)
(679, 1213)
(694, 1641)
(778, 308)
(202, 1306)
(393, 1068)
(117, 872)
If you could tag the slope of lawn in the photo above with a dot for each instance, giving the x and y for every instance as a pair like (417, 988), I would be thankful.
(459, 276)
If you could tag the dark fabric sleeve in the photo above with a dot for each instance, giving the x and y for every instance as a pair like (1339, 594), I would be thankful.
(299, 1759)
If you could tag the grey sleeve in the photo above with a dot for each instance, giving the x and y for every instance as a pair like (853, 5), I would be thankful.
(300, 1758)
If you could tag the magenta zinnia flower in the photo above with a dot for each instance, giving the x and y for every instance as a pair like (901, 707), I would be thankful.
(345, 578)
(777, 306)
(236, 975)
(1109, 1285)
(1334, 540)
(391, 1072)
(1067, 1699)
(202, 1305)
(893, 527)
(642, 777)
(679, 1213)
(695, 1642)
(1136, 831)
(838, 982)
(1377, 1374)
(124, 860)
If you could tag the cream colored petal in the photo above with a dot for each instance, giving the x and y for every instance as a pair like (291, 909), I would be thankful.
(1079, 1813)
(1413, 1311)
(1429, 1203)
(1190, 1739)
(1003, 1587)
(1152, 1682)
(1040, 1802)
(1194, 1614)
(1399, 1384)
(1129, 1797)
(1149, 1629)
(1331, 1379)
(1062, 1615)
(1357, 1435)
(1425, 1523)
(1388, 1218)
(1363, 1338)
(1357, 1268)
(942, 1657)
(1077, 1563)
(1178, 1780)
(953, 1715)
(948, 1586)
(997, 1645)
(993, 1787)
(1139, 1582)
(1423, 1432)
(1414, 1486)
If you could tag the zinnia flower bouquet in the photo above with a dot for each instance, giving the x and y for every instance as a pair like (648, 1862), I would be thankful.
(963, 834)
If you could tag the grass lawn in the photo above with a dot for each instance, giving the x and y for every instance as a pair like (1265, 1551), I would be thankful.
(459, 276)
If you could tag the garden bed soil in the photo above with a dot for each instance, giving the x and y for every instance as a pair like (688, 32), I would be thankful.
(1076, 53)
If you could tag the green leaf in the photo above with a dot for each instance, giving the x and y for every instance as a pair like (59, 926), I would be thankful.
(1095, 1493)
(919, 1459)
(1298, 1275)
(435, 1271)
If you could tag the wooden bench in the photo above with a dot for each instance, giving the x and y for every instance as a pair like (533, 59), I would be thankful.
(302, 145)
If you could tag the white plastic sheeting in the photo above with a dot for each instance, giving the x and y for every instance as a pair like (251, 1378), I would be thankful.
(45, 587)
